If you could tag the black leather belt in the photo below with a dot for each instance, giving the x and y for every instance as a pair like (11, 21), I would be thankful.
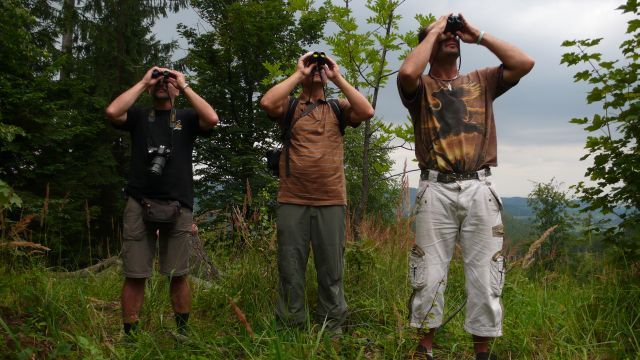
(453, 177)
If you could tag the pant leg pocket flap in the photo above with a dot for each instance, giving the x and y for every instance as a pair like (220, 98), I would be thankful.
(417, 268)
(498, 271)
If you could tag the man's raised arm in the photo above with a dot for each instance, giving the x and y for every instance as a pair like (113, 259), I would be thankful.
(117, 110)
(413, 66)
(207, 116)
(274, 101)
(515, 61)
(361, 109)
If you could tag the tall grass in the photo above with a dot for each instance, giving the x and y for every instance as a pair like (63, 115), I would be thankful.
(584, 310)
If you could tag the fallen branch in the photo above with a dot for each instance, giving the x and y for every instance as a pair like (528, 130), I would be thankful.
(94, 269)
(28, 244)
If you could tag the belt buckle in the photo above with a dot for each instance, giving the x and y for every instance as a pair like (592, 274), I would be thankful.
(446, 178)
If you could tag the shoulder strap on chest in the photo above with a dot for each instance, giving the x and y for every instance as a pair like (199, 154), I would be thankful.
(288, 119)
(335, 106)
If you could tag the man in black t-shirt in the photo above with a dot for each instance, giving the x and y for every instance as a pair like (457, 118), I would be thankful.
(162, 141)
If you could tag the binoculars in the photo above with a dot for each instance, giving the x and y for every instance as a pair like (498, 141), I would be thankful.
(165, 74)
(319, 58)
(454, 24)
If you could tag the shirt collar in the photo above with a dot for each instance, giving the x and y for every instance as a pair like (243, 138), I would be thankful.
(308, 101)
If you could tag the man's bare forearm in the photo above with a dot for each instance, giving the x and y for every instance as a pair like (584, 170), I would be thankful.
(208, 118)
(117, 110)
(361, 109)
(273, 100)
(516, 62)
(416, 62)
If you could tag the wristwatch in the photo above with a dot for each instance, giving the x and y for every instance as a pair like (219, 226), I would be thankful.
(185, 86)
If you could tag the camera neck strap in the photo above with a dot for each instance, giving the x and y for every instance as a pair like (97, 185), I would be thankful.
(151, 118)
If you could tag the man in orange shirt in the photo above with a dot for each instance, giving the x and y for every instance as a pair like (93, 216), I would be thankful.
(312, 196)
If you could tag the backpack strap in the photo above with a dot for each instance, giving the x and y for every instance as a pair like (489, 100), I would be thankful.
(286, 131)
(335, 106)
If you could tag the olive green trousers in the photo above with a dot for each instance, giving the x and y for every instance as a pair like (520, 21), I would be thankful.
(322, 227)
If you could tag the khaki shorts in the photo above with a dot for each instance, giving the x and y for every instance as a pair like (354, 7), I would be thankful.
(140, 239)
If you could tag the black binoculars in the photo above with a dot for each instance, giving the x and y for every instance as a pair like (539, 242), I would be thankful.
(454, 24)
(165, 74)
(318, 58)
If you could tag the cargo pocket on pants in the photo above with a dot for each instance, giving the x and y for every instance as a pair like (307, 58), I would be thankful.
(417, 268)
(496, 197)
(420, 198)
(498, 271)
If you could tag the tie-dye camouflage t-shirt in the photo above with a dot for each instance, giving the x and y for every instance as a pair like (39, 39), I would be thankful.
(453, 120)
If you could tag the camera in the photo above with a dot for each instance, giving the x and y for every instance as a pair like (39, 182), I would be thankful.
(159, 156)
(165, 75)
(454, 24)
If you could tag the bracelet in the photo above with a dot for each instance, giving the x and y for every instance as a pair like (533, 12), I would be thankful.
(480, 37)
(184, 87)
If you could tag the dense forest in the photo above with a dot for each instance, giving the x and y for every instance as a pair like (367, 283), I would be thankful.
(63, 167)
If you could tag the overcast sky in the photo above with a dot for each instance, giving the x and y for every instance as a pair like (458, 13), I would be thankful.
(535, 140)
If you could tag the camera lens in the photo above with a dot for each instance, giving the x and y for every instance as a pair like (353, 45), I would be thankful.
(157, 165)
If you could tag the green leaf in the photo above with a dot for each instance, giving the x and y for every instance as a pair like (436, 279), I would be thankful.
(8, 198)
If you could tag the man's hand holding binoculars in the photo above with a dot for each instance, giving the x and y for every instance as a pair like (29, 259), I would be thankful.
(314, 61)
(167, 76)
(456, 25)
(331, 69)
(469, 33)
(306, 67)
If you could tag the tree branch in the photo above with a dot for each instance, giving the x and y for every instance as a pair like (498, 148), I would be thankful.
(389, 74)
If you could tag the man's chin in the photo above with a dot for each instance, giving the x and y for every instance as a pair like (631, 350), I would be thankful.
(161, 96)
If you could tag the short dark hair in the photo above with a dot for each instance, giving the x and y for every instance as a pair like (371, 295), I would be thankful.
(422, 34)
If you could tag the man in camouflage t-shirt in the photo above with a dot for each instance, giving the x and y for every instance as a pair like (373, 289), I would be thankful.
(312, 197)
(455, 134)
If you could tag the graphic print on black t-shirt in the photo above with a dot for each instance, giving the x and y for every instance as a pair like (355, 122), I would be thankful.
(452, 117)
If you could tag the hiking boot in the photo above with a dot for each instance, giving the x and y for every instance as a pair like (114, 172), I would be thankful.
(486, 356)
(421, 353)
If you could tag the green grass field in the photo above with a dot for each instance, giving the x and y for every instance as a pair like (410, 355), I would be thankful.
(586, 309)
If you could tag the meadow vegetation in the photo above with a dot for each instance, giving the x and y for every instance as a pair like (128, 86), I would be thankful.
(586, 308)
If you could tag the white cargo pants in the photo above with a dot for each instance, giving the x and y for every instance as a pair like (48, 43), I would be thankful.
(467, 210)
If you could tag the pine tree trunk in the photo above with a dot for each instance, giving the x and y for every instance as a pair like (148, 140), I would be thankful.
(68, 9)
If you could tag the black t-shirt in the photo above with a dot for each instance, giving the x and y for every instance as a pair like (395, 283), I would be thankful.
(176, 179)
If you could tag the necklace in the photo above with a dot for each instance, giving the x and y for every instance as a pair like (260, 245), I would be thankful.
(447, 81)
